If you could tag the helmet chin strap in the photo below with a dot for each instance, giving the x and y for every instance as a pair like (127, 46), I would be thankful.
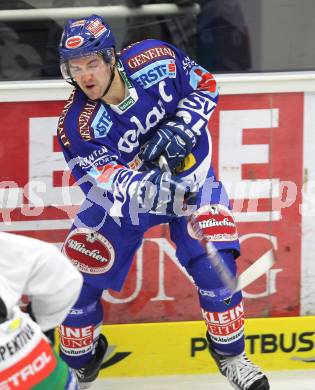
(112, 76)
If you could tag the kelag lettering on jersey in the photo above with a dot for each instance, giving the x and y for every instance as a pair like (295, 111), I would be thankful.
(130, 140)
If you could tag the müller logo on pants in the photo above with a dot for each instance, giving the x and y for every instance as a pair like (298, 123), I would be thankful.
(216, 223)
(89, 251)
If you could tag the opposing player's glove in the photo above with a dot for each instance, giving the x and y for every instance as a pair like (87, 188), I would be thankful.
(174, 140)
(163, 193)
(50, 333)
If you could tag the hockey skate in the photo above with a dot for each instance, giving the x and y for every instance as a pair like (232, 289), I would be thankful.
(87, 375)
(239, 370)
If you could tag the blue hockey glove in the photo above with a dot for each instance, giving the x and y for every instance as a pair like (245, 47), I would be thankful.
(163, 193)
(173, 139)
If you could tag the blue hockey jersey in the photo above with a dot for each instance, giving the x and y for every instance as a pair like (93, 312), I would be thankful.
(101, 142)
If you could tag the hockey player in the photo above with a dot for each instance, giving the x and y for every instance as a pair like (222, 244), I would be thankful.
(126, 110)
(40, 270)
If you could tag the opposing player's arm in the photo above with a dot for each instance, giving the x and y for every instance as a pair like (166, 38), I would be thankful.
(39, 270)
(53, 286)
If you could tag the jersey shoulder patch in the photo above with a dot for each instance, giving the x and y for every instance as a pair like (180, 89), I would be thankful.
(141, 54)
(148, 62)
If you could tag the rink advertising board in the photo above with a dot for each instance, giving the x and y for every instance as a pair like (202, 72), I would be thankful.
(258, 143)
(181, 348)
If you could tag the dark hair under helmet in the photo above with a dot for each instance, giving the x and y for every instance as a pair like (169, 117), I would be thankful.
(83, 37)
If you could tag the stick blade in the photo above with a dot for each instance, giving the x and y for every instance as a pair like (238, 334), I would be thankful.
(255, 270)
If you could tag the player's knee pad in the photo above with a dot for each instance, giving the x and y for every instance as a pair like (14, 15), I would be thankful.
(213, 294)
(80, 330)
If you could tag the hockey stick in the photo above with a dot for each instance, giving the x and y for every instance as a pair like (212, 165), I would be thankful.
(226, 276)
(253, 272)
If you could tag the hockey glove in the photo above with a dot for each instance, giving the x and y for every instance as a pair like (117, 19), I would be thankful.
(163, 193)
(50, 334)
(173, 139)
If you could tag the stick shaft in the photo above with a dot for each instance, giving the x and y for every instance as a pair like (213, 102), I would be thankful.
(253, 272)
(226, 276)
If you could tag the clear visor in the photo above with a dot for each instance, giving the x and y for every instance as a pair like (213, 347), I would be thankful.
(70, 73)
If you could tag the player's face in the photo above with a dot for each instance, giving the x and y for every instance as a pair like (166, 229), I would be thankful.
(92, 75)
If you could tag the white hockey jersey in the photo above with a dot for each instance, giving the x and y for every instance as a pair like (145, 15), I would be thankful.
(37, 269)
